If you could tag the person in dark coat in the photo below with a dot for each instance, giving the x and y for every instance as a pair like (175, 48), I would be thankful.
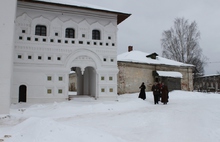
(156, 92)
(142, 93)
(165, 94)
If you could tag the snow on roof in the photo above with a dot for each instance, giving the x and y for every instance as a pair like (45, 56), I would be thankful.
(140, 57)
(121, 16)
(77, 3)
(170, 74)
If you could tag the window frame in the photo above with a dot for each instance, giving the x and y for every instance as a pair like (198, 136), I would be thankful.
(41, 30)
(70, 33)
(96, 34)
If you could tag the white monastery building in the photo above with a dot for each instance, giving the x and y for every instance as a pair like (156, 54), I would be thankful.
(42, 41)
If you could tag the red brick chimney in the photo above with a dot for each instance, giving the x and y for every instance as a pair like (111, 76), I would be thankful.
(130, 48)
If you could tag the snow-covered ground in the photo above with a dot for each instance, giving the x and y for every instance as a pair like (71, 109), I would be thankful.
(188, 117)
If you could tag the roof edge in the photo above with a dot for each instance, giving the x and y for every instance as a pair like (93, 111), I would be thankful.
(120, 15)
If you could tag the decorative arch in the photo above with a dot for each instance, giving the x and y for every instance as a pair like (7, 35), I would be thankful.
(111, 28)
(70, 24)
(84, 24)
(86, 63)
(83, 58)
(84, 27)
(95, 27)
(40, 21)
(56, 27)
(23, 22)
(111, 32)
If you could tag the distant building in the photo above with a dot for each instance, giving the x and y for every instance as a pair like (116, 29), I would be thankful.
(50, 39)
(136, 67)
(207, 83)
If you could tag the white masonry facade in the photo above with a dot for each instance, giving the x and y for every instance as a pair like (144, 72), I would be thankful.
(6, 53)
(52, 39)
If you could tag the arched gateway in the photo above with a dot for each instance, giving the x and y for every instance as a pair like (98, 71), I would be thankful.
(85, 63)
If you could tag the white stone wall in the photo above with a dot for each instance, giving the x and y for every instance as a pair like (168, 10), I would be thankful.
(6, 45)
(94, 58)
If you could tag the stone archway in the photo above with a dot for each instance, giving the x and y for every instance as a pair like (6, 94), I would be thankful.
(85, 64)
(85, 81)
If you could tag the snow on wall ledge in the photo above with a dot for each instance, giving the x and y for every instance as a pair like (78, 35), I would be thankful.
(170, 74)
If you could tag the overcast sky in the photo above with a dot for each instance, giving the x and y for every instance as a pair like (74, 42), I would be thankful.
(143, 29)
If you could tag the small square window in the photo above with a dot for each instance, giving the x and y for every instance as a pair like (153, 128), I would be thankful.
(20, 37)
(100, 43)
(94, 43)
(112, 60)
(109, 37)
(106, 44)
(104, 59)
(80, 42)
(39, 57)
(59, 41)
(44, 40)
(102, 78)
(29, 57)
(49, 91)
(83, 35)
(73, 41)
(110, 78)
(19, 56)
(58, 58)
(66, 41)
(36, 39)
(51, 40)
(56, 34)
(49, 78)
(113, 44)
(60, 78)
(60, 91)
(103, 90)
(49, 58)
(23, 31)
(28, 38)
(111, 90)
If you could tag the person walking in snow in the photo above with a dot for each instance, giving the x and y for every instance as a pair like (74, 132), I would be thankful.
(165, 94)
(156, 92)
(142, 93)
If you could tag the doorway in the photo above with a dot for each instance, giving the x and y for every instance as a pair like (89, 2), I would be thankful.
(22, 93)
(82, 82)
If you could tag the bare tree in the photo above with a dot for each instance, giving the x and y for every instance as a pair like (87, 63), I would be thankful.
(181, 43)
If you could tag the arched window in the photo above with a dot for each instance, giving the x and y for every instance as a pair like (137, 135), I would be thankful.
(96, 35)
(70, 33)
(41, 30)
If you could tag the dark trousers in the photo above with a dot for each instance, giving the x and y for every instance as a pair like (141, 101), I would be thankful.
(159, 97)
(156, 98)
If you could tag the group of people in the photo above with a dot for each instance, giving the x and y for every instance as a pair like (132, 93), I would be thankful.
(160, 92)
